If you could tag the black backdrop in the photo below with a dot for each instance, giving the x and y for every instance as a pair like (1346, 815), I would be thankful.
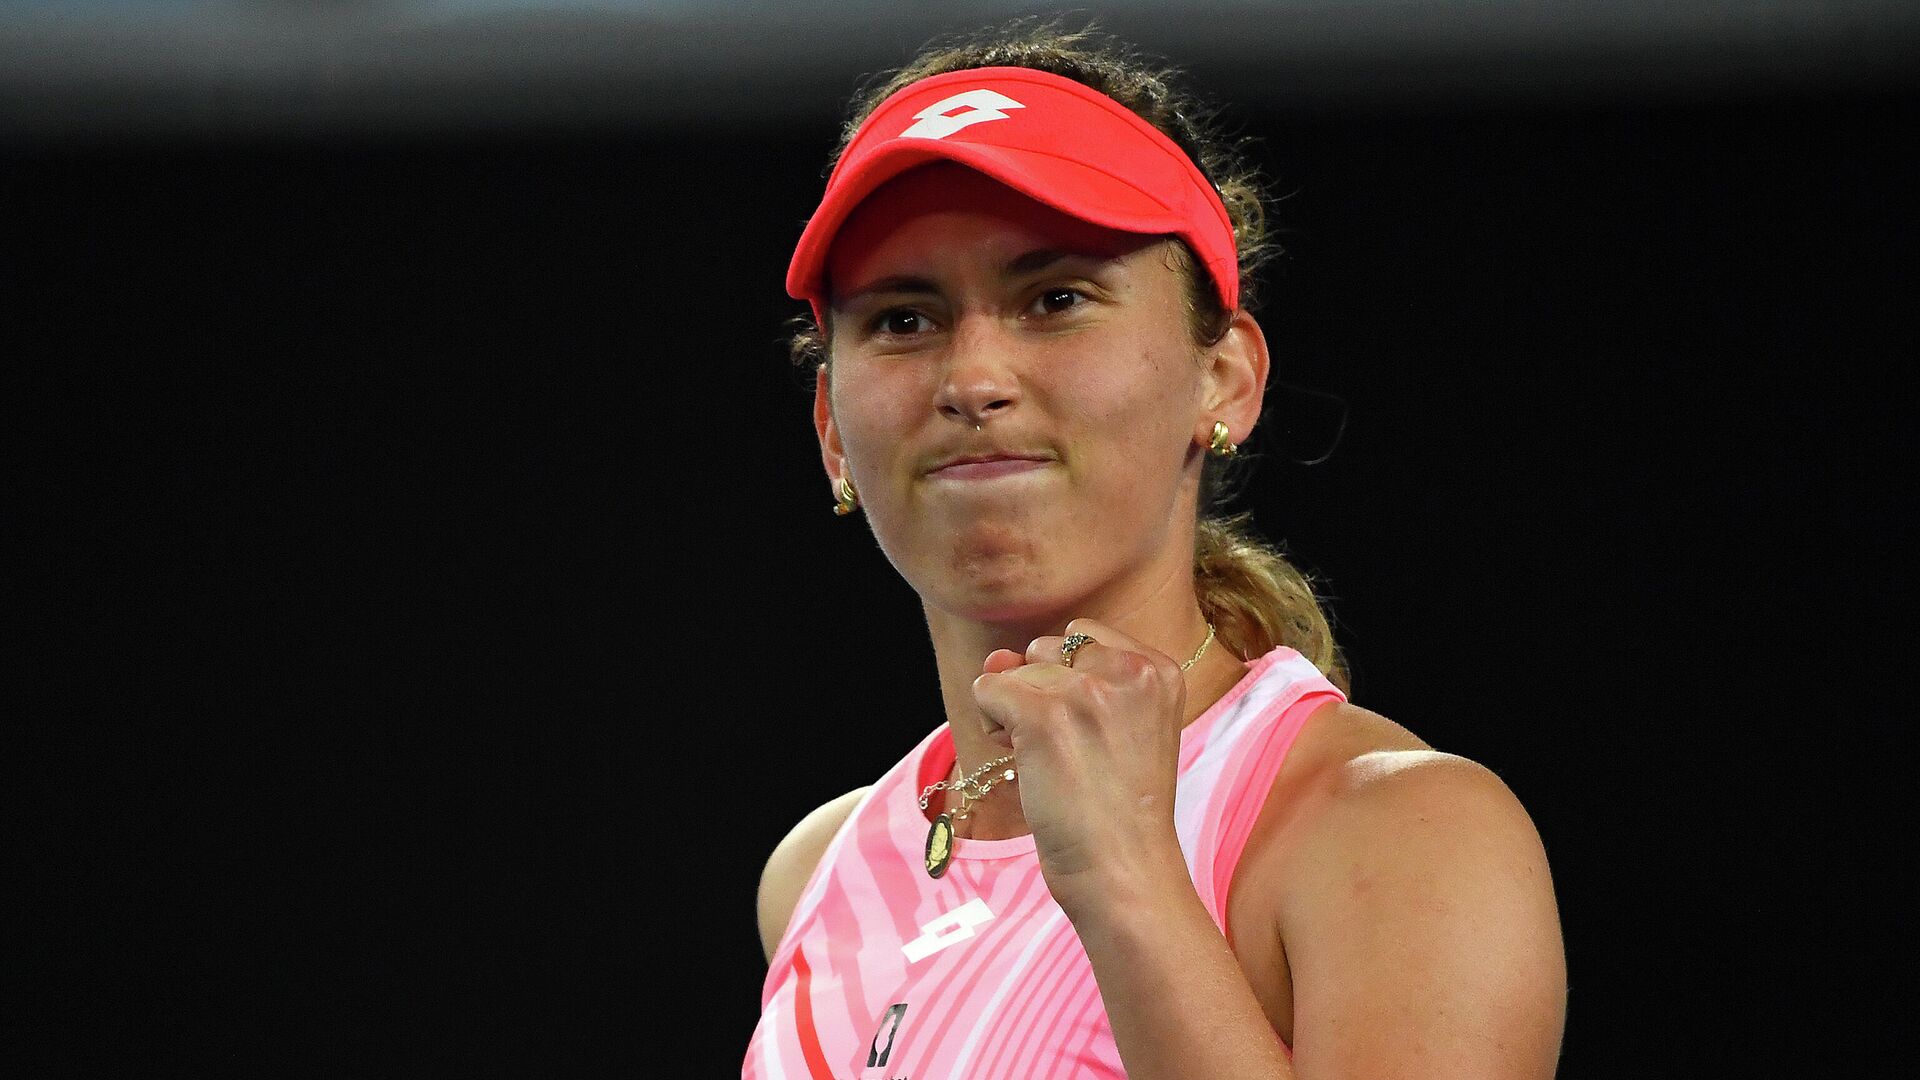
(444, 616)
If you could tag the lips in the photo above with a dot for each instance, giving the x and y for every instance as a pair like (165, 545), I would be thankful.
(986, 466)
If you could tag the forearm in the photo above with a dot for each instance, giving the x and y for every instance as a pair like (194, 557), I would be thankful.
(1179, 1005)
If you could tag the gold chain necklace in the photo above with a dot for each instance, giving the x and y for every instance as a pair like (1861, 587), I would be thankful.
(972, 789)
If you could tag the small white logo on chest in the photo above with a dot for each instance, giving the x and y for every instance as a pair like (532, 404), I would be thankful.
(949, 929)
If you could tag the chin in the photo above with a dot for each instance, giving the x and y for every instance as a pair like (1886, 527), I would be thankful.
(995, 591)
(982, 571)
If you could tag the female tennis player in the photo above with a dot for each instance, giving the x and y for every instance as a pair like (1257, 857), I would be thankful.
(1152, 838)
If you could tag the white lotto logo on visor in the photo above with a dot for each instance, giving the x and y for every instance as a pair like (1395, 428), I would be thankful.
(981, 105)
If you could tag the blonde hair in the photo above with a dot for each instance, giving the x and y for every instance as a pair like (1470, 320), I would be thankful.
(1247, 588)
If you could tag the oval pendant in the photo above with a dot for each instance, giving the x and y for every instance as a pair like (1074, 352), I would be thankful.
(939, 845)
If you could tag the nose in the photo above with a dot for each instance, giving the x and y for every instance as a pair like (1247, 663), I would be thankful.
(979, 382)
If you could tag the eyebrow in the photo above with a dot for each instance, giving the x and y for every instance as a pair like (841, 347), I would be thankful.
(1028, 263)
(1041, 258)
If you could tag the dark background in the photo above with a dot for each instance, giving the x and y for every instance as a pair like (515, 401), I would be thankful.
(431, 593)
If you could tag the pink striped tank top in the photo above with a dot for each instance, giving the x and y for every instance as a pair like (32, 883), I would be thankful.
(887, 974)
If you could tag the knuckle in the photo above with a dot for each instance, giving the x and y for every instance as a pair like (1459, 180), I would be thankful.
(1137, 670)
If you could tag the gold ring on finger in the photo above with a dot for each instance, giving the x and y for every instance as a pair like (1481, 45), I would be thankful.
(1072, 645)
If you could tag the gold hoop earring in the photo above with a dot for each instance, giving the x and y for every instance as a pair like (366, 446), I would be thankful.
(1221, 447)
(845, 499)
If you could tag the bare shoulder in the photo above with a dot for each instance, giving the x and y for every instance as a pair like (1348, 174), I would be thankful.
(1368, 796)
(1351, 766)
(792, 864)
(1418, 900)
(1385, 781)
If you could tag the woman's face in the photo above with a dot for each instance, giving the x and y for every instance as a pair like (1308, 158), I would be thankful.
(1016, 395)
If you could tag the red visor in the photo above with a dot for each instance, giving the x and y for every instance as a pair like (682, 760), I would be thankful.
(1049, 138)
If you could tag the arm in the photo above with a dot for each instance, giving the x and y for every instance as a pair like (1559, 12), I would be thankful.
(792, 863)
(1414, 903)
(1178, 1002)
(1420, 928)
(1425, 913)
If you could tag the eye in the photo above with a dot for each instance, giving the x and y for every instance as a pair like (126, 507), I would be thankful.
(1056, 300)
(902, 322)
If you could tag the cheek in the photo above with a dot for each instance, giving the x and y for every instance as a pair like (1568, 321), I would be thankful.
(872, 415)
(1144, 403)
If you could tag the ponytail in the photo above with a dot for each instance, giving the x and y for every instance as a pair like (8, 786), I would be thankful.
(1257, 600)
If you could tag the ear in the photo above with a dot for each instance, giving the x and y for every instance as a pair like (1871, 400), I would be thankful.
(832, 454)
(1236, 381)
